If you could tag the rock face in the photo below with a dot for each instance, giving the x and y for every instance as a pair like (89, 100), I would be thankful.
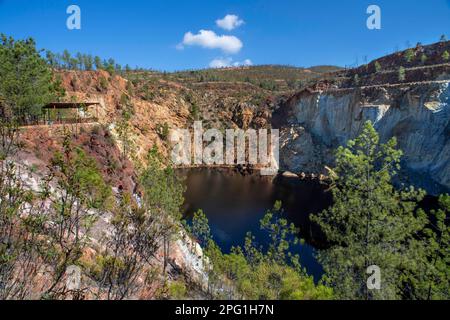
(115, 94)
(313, 124)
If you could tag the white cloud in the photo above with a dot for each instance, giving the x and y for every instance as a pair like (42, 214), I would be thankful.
(246, 62)
(210, 40)
(221, 63)
(228, 62)
(229, 22)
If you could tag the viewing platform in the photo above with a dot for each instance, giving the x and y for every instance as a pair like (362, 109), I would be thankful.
(61, 113)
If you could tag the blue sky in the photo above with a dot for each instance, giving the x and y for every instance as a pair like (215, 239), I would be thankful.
(148, 33)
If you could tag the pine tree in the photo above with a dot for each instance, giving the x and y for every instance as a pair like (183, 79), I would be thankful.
(409, 55)
(51, 58)
(79, 61)
(124, 131)
(377, 66)
(200, 228)
(98, 63)
(26, 81)
(128, 250)
(283, 236)
(370, 222)
(73, 63)
(81, 187)
(429, 276)
(163, 196)
(19, 238)
(66, 58)
(88, 62)
(249, 272)
(110, 66)
(437, 250)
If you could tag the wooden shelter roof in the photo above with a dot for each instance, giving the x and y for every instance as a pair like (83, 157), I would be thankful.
(69, 105)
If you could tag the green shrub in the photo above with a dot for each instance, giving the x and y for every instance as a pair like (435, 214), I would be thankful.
(163, 130)
(401, 74)
(195, 111)
(423, 58)
(103, 83)
(409, 55)
(124, 99)
(445, 56)
(177, 290)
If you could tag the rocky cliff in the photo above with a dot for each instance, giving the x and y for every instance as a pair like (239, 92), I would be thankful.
(405, 94)
(314, 123)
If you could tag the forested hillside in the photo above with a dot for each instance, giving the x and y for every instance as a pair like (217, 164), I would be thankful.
(102, 199)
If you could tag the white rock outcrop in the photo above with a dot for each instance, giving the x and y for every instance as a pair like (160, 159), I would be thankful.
(315, 124)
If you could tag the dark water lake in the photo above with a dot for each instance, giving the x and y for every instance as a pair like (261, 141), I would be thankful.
(234, 205)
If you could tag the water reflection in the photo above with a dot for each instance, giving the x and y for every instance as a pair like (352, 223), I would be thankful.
(235, 204)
